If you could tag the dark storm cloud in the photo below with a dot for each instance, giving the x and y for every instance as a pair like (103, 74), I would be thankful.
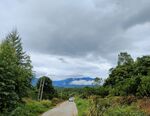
(79, 28)
(84, 29)
(74, 29)
(139, 17)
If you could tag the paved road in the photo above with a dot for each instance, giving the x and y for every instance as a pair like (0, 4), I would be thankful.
(64, 109)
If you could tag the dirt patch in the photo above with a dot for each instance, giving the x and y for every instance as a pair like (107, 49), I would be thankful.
(144, 104)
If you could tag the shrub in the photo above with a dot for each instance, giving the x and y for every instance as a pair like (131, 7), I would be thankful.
(99, 106)
(55, 101)
(124, 111)
(127, 100)
(46, 103)
(32, 108)
(103, 91)
(114, 106)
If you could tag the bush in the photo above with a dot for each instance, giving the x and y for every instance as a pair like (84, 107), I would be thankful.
(103, 91)
(124, 111)
(46, 103)
(55, 101)
(114, 106)
(32, 108)
(127, 100)
(99, 106)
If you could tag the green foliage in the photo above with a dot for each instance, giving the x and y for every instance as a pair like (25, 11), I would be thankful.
(113, 106)
(24, 70)
(48, 89)
(126, 87)
(103, 91)
(88, 91)
(144, 87)
(128, 77)
(98, 106)
(124, 111)
(56, 101)
(32, 108)
(15, 72)
(8, 96)
(83, 106)
(142, 66)
(66, 93)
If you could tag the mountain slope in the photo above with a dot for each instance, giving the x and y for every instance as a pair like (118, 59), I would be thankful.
(74, 82)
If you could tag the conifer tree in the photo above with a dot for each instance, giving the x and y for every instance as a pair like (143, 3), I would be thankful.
(24, 70)
(8, 95)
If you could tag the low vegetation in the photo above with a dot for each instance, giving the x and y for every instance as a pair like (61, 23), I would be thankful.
(32, 108)
(115, 106)
(83, 106)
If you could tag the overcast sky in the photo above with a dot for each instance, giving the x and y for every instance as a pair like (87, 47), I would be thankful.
(77, 37)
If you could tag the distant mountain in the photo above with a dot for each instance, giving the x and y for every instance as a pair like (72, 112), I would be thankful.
(70, 82)
(74, 82)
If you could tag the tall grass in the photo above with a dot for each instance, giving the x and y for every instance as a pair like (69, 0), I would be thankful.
(114, 107)
(124, 111)
(83, 106)
(32, 108)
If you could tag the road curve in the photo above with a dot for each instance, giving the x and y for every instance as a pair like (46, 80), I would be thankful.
(65, 109)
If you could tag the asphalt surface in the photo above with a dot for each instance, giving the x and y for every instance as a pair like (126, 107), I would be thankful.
(65, 109)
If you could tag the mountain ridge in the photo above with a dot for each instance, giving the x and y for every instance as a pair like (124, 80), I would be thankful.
(71, 82)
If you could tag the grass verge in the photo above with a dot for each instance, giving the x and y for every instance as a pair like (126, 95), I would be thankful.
(82, 105)
(32, 108)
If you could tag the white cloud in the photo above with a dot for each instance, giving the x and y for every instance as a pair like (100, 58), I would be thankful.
(62, 67)
(81, 82)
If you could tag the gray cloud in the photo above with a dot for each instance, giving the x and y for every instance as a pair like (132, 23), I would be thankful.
(94, 30)
(139, 17)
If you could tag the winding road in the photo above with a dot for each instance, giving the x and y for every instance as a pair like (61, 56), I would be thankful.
(65, 109)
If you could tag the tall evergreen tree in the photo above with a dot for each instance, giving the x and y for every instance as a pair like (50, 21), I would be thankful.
(24, 71)
(8, 95)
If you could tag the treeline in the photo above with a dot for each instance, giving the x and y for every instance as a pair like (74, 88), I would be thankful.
(129, 77)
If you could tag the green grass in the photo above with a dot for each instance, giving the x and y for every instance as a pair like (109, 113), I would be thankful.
(83, 106)
(32, 108)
